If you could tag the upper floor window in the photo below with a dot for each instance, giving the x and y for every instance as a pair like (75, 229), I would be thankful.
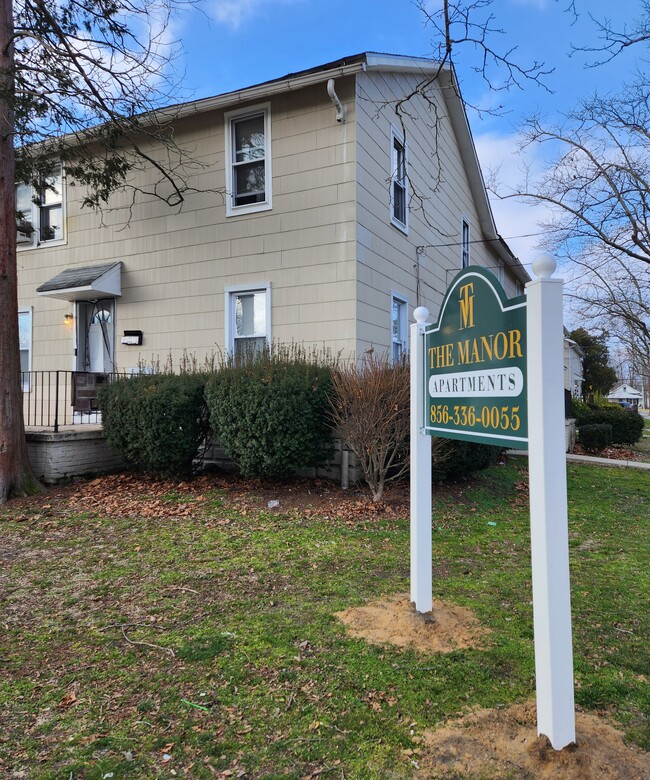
(39, 211)
(398, 183)
(399, 327)
(248, 160)
(465, 239)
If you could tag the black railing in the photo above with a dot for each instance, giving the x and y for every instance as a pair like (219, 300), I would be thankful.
(52, 399)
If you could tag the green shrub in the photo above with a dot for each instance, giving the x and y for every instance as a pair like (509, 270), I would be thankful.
(270, 414)
(157, 423)
(459, 459)
(579, 407)
(594, 438)
(627, 427)
(599, 401)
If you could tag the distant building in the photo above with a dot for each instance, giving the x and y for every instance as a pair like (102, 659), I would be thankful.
(626, 395)
(573, 376)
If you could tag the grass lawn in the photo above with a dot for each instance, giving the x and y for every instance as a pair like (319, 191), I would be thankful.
(191, 633)
(642, 447)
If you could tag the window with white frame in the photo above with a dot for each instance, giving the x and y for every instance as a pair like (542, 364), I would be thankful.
(25, 341)
(500, 272)
(248, 160)
(248, 319)
(398, 182)
(40, 210)
(398, 327)
(465, 243)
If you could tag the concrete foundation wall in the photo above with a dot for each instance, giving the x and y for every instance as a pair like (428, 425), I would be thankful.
(58, 456)
(341, 461)
(570, 434)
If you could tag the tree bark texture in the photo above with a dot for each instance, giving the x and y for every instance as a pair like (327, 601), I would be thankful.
(16, 474)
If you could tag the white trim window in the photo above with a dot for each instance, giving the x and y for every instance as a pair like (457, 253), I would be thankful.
(465, 243)
(398, 181)
(40, 213)
(248, 319)
(248, 160)
(25, 341)
(398, 327)
(500, 273)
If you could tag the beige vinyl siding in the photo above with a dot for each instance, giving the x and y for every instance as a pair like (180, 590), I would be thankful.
(176, 264)
(439, 196)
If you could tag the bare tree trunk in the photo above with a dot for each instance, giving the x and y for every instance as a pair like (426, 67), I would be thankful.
(16, 474)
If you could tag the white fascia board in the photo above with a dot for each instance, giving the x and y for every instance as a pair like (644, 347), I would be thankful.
(398, 64)
(454, 102)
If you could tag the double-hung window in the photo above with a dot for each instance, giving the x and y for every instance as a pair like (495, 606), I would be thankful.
(25, 340)
(248, 320)
(398, 183)
(465, 243)
(40, 210)
(398, 320)
(248, 160)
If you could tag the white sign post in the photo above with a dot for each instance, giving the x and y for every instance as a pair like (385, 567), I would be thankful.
(548, 507)
(421, 541)
(548, 494)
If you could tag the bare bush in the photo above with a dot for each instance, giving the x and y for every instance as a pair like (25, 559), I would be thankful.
(370, 409)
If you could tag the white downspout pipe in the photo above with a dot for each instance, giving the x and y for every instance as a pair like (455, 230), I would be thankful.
(340, 110)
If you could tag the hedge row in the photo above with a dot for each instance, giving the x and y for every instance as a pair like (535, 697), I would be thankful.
(272, 417)
(627, 427)
(594, 438)
(157, 423)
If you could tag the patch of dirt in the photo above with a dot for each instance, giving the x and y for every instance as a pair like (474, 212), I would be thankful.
(500, 744)
(394, 621)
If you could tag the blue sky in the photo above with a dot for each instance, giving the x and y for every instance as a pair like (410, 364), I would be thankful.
(237, 43)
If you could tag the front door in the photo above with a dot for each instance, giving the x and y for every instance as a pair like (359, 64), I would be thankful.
(96, 336)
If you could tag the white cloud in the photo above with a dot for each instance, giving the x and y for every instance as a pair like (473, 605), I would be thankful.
(234, 13)
(505, 166)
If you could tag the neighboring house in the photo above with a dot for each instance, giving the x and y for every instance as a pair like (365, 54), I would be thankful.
(626, 394)
(573, 371)
(324, 219)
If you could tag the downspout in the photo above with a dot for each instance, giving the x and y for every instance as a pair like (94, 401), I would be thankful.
(340, 110)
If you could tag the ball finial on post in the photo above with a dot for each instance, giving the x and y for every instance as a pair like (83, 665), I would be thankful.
(421, 315)
(544, 266)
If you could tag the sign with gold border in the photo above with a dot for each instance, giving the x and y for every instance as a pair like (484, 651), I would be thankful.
(475, 364)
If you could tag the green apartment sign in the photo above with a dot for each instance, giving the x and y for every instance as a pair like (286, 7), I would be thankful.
(475, 364)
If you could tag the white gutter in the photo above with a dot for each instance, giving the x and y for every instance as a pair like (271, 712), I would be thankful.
(259, 92)
(372, 62)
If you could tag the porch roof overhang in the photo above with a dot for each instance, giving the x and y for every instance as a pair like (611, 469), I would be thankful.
(85, 284)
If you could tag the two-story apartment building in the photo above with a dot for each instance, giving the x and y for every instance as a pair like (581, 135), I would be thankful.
(319, 215)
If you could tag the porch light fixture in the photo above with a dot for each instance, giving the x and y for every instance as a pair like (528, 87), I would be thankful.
(68, 318)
